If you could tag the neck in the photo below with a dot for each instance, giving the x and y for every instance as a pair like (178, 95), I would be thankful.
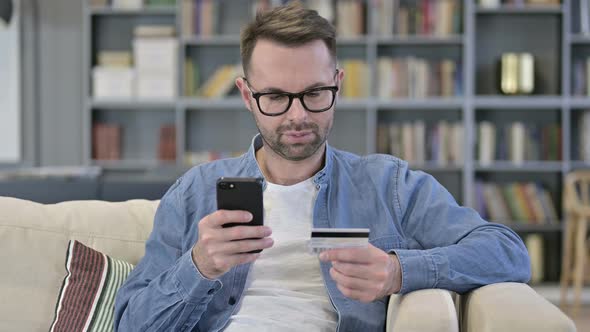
(279, 170)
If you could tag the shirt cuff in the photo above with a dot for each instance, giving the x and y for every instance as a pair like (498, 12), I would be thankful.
(418, 270)
(194, 287)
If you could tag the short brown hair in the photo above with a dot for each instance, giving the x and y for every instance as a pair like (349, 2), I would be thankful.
(290, 25)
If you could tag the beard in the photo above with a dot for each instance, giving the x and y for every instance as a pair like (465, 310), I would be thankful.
(295, 151)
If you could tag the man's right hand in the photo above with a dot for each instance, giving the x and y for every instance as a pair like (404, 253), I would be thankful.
(219, 249)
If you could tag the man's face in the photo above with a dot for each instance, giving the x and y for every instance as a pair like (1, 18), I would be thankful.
(296, 134)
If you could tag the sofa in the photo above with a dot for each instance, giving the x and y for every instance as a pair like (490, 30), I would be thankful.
(34, 238)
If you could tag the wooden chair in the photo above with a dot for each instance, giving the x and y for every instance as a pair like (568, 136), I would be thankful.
(576, 207)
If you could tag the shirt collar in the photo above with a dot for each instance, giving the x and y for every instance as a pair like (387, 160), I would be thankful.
(251, 164)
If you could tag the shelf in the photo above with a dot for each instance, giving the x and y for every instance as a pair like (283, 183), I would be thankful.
(520, 10)
(217, 40)
(578, 164)
(236, 102)
(518, 102)
(352, 41)
(428, 103)
(114, 104)
(130, 165)
(527, 166)
(580, 102)
(434, 167)
(344, 104)
(140, 11)
(421, 40)
(213, 103)
(580, 39)
(535, 228)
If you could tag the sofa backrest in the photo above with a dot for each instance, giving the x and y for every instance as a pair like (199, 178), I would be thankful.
(33, 243)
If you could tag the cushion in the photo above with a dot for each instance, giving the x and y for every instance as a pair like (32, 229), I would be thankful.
(86, 300)
(33, 238)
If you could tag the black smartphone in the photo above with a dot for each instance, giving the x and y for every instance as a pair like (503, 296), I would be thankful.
(241, 194)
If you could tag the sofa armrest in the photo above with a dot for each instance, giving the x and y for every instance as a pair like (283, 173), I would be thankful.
(422, 310)
(511, 307)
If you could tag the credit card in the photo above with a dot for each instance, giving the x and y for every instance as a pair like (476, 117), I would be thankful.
(336, 238)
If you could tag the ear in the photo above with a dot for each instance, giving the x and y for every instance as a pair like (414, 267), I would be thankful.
(244, 92)
(340, 80)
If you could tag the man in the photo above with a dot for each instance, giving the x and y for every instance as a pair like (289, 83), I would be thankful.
(198, 276)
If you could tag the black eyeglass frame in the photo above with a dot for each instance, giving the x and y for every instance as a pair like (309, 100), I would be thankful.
(291, 96)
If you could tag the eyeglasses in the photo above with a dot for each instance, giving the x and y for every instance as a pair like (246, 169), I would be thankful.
(315, 100)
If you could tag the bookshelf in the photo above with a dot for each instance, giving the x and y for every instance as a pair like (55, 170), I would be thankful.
(474, 39)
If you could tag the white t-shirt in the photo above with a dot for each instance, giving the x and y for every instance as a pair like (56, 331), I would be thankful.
(285, 290)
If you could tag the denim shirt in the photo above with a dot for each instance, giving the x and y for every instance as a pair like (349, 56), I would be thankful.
(439, 244)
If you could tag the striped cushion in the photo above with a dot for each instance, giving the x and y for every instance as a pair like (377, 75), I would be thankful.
(87, 298)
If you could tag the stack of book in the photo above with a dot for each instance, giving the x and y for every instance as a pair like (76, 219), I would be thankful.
(106, 141)
(412, 77)
(416, 142)
(356, 79)
(518, 142)
(155, 51)
(439, 18)
(167, 143)
(113, 77)
(515, 203)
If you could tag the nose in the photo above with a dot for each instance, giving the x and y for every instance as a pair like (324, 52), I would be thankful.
(296, 112)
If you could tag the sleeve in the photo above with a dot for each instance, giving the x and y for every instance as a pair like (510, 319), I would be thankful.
(452, 246)
(165, 291)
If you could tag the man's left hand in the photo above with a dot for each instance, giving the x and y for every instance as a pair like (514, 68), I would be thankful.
(364, 274)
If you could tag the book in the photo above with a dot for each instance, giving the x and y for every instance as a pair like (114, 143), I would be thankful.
(487, 143)
(535, 247)
(106, 141)
(114, 59)
(167, 143)
(221, 82)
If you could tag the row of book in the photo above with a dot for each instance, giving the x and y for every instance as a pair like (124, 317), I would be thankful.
(412, 77)
(518, 3)
(419, 143)
(203, 18)
(149, 72)
(515, 203)
(131, 4)
(221, 82)
(107, 142)
(201, 157)
(439, 18)
(518, 142)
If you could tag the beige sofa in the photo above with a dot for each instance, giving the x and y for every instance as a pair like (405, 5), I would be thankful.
(33, 240)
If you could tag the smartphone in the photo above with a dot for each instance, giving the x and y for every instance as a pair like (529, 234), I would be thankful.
(241, 194)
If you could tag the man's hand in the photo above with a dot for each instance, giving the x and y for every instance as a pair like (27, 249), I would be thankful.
(219, 249)
(364, 274)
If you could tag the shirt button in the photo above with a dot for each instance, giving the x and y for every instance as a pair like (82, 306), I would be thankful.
(232, 301)
(211, 291)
